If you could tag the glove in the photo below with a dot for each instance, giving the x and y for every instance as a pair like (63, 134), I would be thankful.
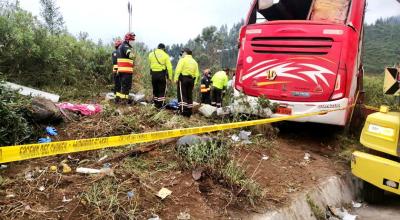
(51, 131)
(44, 140)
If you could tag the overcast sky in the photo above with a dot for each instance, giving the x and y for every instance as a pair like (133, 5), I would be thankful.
(169, 21)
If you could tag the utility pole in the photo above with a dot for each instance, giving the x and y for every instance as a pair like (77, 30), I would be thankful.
(130, 15)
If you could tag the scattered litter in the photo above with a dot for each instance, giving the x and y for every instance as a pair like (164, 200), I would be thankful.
(356, 204)
(183, 216)
(197, 174)
(154, 217)
(84, 109)
(307, 156)
(66, 168)
(53, 168)
(66, 200)
(224, 111)
(51, 131)
(144, 103)
(192, 140)
(243, 137)
(26, 91)
(10, 196)
(107, 165)
(41, 189)
(264, 157)
(103, 158)
(137, 97)
(340, 213)
(164, 193)
(44, 140)
(208, 111)
(3, 167)
(83, 170)
(172, 105)
(29, 176)
(130, 194)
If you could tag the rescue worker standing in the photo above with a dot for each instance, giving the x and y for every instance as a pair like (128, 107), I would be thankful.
(114, 55)
(186, 76)
(205, 87)
(219, 85)
(125, 67)
(161, 71)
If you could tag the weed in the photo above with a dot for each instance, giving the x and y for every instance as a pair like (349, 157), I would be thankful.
(235, 176)
(316, 210)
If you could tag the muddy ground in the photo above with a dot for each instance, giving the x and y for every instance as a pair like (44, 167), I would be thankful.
(274, 161)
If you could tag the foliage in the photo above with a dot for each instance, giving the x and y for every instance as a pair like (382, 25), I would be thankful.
(382, 47)
(31, 55)
(52, 17)
(373, 86)
(15, 129)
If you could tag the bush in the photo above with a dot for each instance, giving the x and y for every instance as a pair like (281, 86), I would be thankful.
(15, 129)
(373, 86)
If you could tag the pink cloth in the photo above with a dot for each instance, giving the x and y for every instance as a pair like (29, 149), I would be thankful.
(84, 109)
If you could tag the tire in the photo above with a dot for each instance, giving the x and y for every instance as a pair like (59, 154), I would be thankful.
(372, 194)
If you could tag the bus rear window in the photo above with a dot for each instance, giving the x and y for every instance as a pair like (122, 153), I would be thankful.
(334, 11)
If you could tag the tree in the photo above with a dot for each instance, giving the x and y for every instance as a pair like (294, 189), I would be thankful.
(52, 17)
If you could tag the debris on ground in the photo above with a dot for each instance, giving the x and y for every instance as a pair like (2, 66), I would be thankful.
(339, 213)
(130, 195)
(172, 105)
(51, 131)
(103, 158)
(264, 157)
(43, 110)
(307, 157)
(197, 174)
(65, 200)
(242, 137)
(356, 204)
(26, 91)
(154, 217)
(208, 111)
(44, 140)
(183, 216)
(192, 140)
(84, 170)
(84, 109)
(164, 193)
(41, 189)
(53, 168)
(66, 168)
(3, 167)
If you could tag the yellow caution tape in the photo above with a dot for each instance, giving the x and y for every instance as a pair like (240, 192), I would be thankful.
(30, 151)
(371, 108)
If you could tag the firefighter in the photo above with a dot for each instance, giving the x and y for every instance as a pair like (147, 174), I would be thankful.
(186, 76)
(125, 67)
(205, 87)
(219, 85)
(117, 82)
(161, 71)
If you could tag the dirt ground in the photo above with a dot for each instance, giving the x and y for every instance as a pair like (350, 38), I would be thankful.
(29, 190)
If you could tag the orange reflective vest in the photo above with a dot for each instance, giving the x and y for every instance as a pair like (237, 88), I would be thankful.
(125, 64)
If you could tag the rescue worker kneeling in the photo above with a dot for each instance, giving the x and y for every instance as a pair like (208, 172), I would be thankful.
(125, 68)
(186, 76)
(161, 71)
(205, 87)
(219, 85)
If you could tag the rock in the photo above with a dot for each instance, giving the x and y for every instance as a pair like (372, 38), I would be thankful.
(43, 110)
(197, 174)
(208, 111)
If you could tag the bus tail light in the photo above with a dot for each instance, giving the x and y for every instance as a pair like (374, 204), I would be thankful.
(339, 90)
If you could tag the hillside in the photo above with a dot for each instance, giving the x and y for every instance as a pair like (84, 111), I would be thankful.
(382, 47)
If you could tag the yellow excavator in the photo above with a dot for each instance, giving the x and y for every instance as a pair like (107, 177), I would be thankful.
(379, 165)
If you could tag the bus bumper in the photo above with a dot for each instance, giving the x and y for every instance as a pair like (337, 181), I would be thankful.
(297, 108)
(378, 171)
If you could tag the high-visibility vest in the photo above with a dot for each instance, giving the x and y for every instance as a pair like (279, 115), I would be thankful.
(220, 80)
(114, 56)
(125, 64)
(187, 66)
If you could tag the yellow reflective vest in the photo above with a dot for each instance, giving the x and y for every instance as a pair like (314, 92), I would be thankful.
(187, 66)
(220, 80)
(163, 63)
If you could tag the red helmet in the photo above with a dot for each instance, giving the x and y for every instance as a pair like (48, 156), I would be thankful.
(117, 43)
(130, 36)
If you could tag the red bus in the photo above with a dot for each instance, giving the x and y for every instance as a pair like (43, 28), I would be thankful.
(304, 56)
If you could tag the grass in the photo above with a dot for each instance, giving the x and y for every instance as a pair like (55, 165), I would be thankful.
(315, 209)
(373, 86)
